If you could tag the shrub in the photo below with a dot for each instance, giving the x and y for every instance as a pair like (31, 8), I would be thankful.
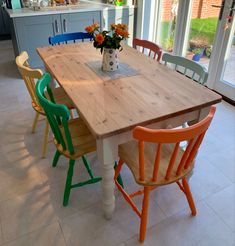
(199, 42)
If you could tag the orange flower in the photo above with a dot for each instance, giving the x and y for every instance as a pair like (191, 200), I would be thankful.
(121, 26)
(113, 26)
(89, 29)
(125, 34)
(122, 33)
(92, 28)
(95, 26)
(119, 31)
(99, 38)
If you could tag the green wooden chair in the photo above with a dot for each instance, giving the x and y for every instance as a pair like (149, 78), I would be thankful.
(187, 67)
(71, 137)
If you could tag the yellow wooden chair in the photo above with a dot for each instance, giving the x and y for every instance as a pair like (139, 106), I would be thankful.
(30, 77)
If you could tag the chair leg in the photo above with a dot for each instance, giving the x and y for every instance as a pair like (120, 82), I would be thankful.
(35, 121)
(184, 125)
(189, 196)
(144, 214)
(45, 141)
(71, 114)
(88, 167)
(56, 158)
(119, 177)
(68, 182)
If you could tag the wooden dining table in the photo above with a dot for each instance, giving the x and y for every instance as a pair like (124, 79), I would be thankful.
(142, 92)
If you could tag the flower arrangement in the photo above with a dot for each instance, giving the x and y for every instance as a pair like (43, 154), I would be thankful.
(108, 39)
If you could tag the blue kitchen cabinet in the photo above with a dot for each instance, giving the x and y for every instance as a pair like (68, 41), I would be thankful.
(76, 22)
(33, 31)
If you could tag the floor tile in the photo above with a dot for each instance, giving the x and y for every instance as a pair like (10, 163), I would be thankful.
(123, 225)
(224, 160)
(49, 235)
(206, 179)
(23, 214)
(223, 203)
(16, 181)
(182, 229)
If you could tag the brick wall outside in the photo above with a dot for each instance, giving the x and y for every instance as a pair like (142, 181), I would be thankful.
(200, 9)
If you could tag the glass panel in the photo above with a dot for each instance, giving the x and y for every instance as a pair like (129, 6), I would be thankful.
(229, 71)
(202, 30)
(166, 26)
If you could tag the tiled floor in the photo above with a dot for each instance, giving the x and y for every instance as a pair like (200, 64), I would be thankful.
(31, 211)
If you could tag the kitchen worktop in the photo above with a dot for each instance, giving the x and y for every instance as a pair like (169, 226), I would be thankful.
(83, 6)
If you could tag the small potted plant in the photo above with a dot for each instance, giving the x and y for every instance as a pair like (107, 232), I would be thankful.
(109, 43)
(208, 51)
(197, 54)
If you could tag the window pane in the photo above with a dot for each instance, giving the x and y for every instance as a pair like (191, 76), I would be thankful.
(202, 30)
(166, 27)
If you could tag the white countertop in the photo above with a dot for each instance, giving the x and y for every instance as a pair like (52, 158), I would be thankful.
(83, 6)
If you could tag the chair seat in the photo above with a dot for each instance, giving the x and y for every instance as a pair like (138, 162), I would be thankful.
(61, 97)
(129, 153)
(37, 108)
(82, 139)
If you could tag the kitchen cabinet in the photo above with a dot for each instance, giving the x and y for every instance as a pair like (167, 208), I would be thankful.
(34, 31)
(2, 26)
(76, 22)
(4, 21)
(31, 29)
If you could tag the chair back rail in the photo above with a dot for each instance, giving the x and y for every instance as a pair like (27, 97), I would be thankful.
(188, 66)
(29, 75)
(65, 38)
(193, 135)
(57, 115)
(153, 48)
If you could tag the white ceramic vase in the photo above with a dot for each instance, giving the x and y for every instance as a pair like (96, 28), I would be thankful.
(110, 60)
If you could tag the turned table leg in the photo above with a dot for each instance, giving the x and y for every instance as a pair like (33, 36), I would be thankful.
(107, 154)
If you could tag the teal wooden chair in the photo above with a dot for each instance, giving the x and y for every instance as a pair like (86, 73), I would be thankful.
(71, 137)
(189, 68)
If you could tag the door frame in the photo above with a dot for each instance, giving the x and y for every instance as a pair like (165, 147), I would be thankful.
(223, 41)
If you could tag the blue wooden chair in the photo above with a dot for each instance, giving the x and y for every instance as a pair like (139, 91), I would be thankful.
(189, 68)
(67, 37)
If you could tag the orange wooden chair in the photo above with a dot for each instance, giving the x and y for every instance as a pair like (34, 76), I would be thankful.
(155, 158)
(153, 48)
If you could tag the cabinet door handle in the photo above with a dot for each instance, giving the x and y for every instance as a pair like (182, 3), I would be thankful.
(56, 27)
(65, 25)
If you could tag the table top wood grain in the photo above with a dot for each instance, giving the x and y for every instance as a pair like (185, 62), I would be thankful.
(111, 106)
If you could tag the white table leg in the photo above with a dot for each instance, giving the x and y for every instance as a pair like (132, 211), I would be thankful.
(107, 154)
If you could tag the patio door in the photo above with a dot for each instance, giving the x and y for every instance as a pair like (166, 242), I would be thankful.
(189, 27)
(222, 65)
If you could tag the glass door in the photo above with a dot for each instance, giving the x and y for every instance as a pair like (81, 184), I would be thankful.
(198, 27)
(165, 23)
(222, 66)
(202, 31)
